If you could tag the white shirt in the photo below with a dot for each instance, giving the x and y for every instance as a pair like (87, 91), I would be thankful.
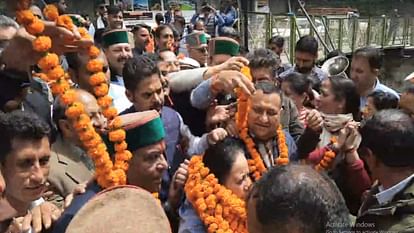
(385, 196)
(117, 93)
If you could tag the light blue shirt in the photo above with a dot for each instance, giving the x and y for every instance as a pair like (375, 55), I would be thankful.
(385, 196)
(378, 87)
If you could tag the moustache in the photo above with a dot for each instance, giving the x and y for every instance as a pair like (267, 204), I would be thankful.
(122, 59)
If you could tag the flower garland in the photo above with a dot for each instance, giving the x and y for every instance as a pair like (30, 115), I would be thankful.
(107, 173)
(218, 208)
(256, 165)
(327, 159)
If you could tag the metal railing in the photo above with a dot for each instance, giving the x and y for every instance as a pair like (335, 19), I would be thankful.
(345, 34)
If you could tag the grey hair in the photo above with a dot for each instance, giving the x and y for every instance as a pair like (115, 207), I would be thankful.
(6, 22)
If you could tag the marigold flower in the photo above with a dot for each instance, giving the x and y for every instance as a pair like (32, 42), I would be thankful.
(116, 123)
(94, 51)
(42, 44)
(48, 62)
(101, 90)
(68, 97)
(55, 73)
(87, 134)
(123, 156)
(105, 101)
(82, 122)
(97, 79)
(121, 146)
(117, 135)
(91, 143)
(95, 65)
(59, 87)
(84, 33)
(74, 111)
(36, 27)
(51, 12)
(110, 113)
(65, 21)
(25, 17)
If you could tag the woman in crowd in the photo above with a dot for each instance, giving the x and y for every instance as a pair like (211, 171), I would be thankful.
(299, 88)
(227, 162)
(164, 37)
(336, 151)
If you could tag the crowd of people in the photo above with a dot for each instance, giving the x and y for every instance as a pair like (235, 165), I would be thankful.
(166, 130)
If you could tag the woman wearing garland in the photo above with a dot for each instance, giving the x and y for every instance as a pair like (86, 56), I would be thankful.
(216, 188)
(336, 151)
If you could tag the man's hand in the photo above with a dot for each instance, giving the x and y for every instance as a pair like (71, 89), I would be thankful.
(217, 114)
(227, 81)
(19, 54)
(20, 224)
(44, 215)
(314, 121)
(177, 184)
(231, 128)
(81, 188)
(216, 136)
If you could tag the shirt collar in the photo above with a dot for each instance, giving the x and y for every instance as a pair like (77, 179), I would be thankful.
(385, 196)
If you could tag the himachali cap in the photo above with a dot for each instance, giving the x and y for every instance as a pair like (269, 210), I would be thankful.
(223, 45)
(121, 209)
(196, 39)
(114, 37)
(142, 129)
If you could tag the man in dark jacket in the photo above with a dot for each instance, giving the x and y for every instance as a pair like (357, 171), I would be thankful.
(387, 146)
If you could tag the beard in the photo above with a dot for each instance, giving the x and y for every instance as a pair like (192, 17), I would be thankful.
(304, 70)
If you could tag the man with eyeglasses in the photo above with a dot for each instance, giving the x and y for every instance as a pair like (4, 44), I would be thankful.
(197, 47)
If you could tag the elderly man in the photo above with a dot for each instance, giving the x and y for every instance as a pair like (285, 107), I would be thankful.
(145, 138)
(24, 163)
(70, 165)
(387, 146)
(197, 47)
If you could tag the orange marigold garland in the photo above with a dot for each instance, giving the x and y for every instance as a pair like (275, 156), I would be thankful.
(218, 208)
(256, 165)
(327, 159)
(107, 173)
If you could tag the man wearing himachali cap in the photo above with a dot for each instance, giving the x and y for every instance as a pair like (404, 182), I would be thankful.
(197, 47)
(117, 51)
(145, 138)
